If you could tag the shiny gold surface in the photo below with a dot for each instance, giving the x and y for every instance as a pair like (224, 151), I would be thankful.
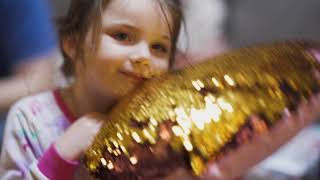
(188, 117)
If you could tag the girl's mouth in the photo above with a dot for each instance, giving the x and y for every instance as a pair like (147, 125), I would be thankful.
(132, 75)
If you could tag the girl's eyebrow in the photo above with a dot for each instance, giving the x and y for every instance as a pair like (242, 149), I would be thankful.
(120, 22)
(166, 37)
(131, 26)
(124, 25)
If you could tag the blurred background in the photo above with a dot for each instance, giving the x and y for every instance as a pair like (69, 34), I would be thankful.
(250, 21)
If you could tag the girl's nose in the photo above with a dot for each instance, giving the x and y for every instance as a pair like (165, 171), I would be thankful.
(141, 61)
(141, 53)
(142, 67)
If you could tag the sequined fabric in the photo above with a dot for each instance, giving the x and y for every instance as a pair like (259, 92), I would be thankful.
(186, 118)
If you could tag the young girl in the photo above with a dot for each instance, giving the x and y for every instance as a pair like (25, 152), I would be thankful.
(110, 47)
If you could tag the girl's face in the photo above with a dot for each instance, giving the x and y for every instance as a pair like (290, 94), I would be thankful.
(134, 45)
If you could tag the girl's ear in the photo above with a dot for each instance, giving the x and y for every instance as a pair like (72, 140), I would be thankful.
(69, 47)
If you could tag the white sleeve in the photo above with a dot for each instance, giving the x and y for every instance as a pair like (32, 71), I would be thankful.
(20, 148)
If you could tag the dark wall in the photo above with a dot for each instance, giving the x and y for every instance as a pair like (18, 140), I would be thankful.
(255, 21)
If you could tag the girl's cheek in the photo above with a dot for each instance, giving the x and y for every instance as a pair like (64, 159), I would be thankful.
(113, 51)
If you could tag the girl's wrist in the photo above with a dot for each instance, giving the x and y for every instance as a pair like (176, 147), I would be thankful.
(54, 166)
(66, 152)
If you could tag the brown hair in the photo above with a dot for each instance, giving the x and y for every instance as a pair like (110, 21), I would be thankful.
(85, 14)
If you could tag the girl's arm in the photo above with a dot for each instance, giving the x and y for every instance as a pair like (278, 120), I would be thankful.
(23, 157)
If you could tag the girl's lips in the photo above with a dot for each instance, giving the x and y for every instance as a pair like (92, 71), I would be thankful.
(133, 75)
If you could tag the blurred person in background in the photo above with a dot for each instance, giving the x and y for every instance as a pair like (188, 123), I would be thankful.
(28, 50)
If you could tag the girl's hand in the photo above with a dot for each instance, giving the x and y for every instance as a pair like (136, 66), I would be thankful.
(79, 136)
(237, 163)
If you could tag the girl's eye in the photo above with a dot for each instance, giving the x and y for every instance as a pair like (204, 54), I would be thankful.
(122, 37)
(160, 48)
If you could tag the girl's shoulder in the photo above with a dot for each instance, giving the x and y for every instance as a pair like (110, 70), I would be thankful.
(42, 106)
(39, 114)
(35, 102)
(36, 120)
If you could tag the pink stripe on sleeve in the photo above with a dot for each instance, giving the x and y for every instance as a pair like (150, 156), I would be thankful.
(55, 167)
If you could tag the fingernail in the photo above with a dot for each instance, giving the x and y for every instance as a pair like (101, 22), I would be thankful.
(214, 170)
(316, 54)
(287, 113)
